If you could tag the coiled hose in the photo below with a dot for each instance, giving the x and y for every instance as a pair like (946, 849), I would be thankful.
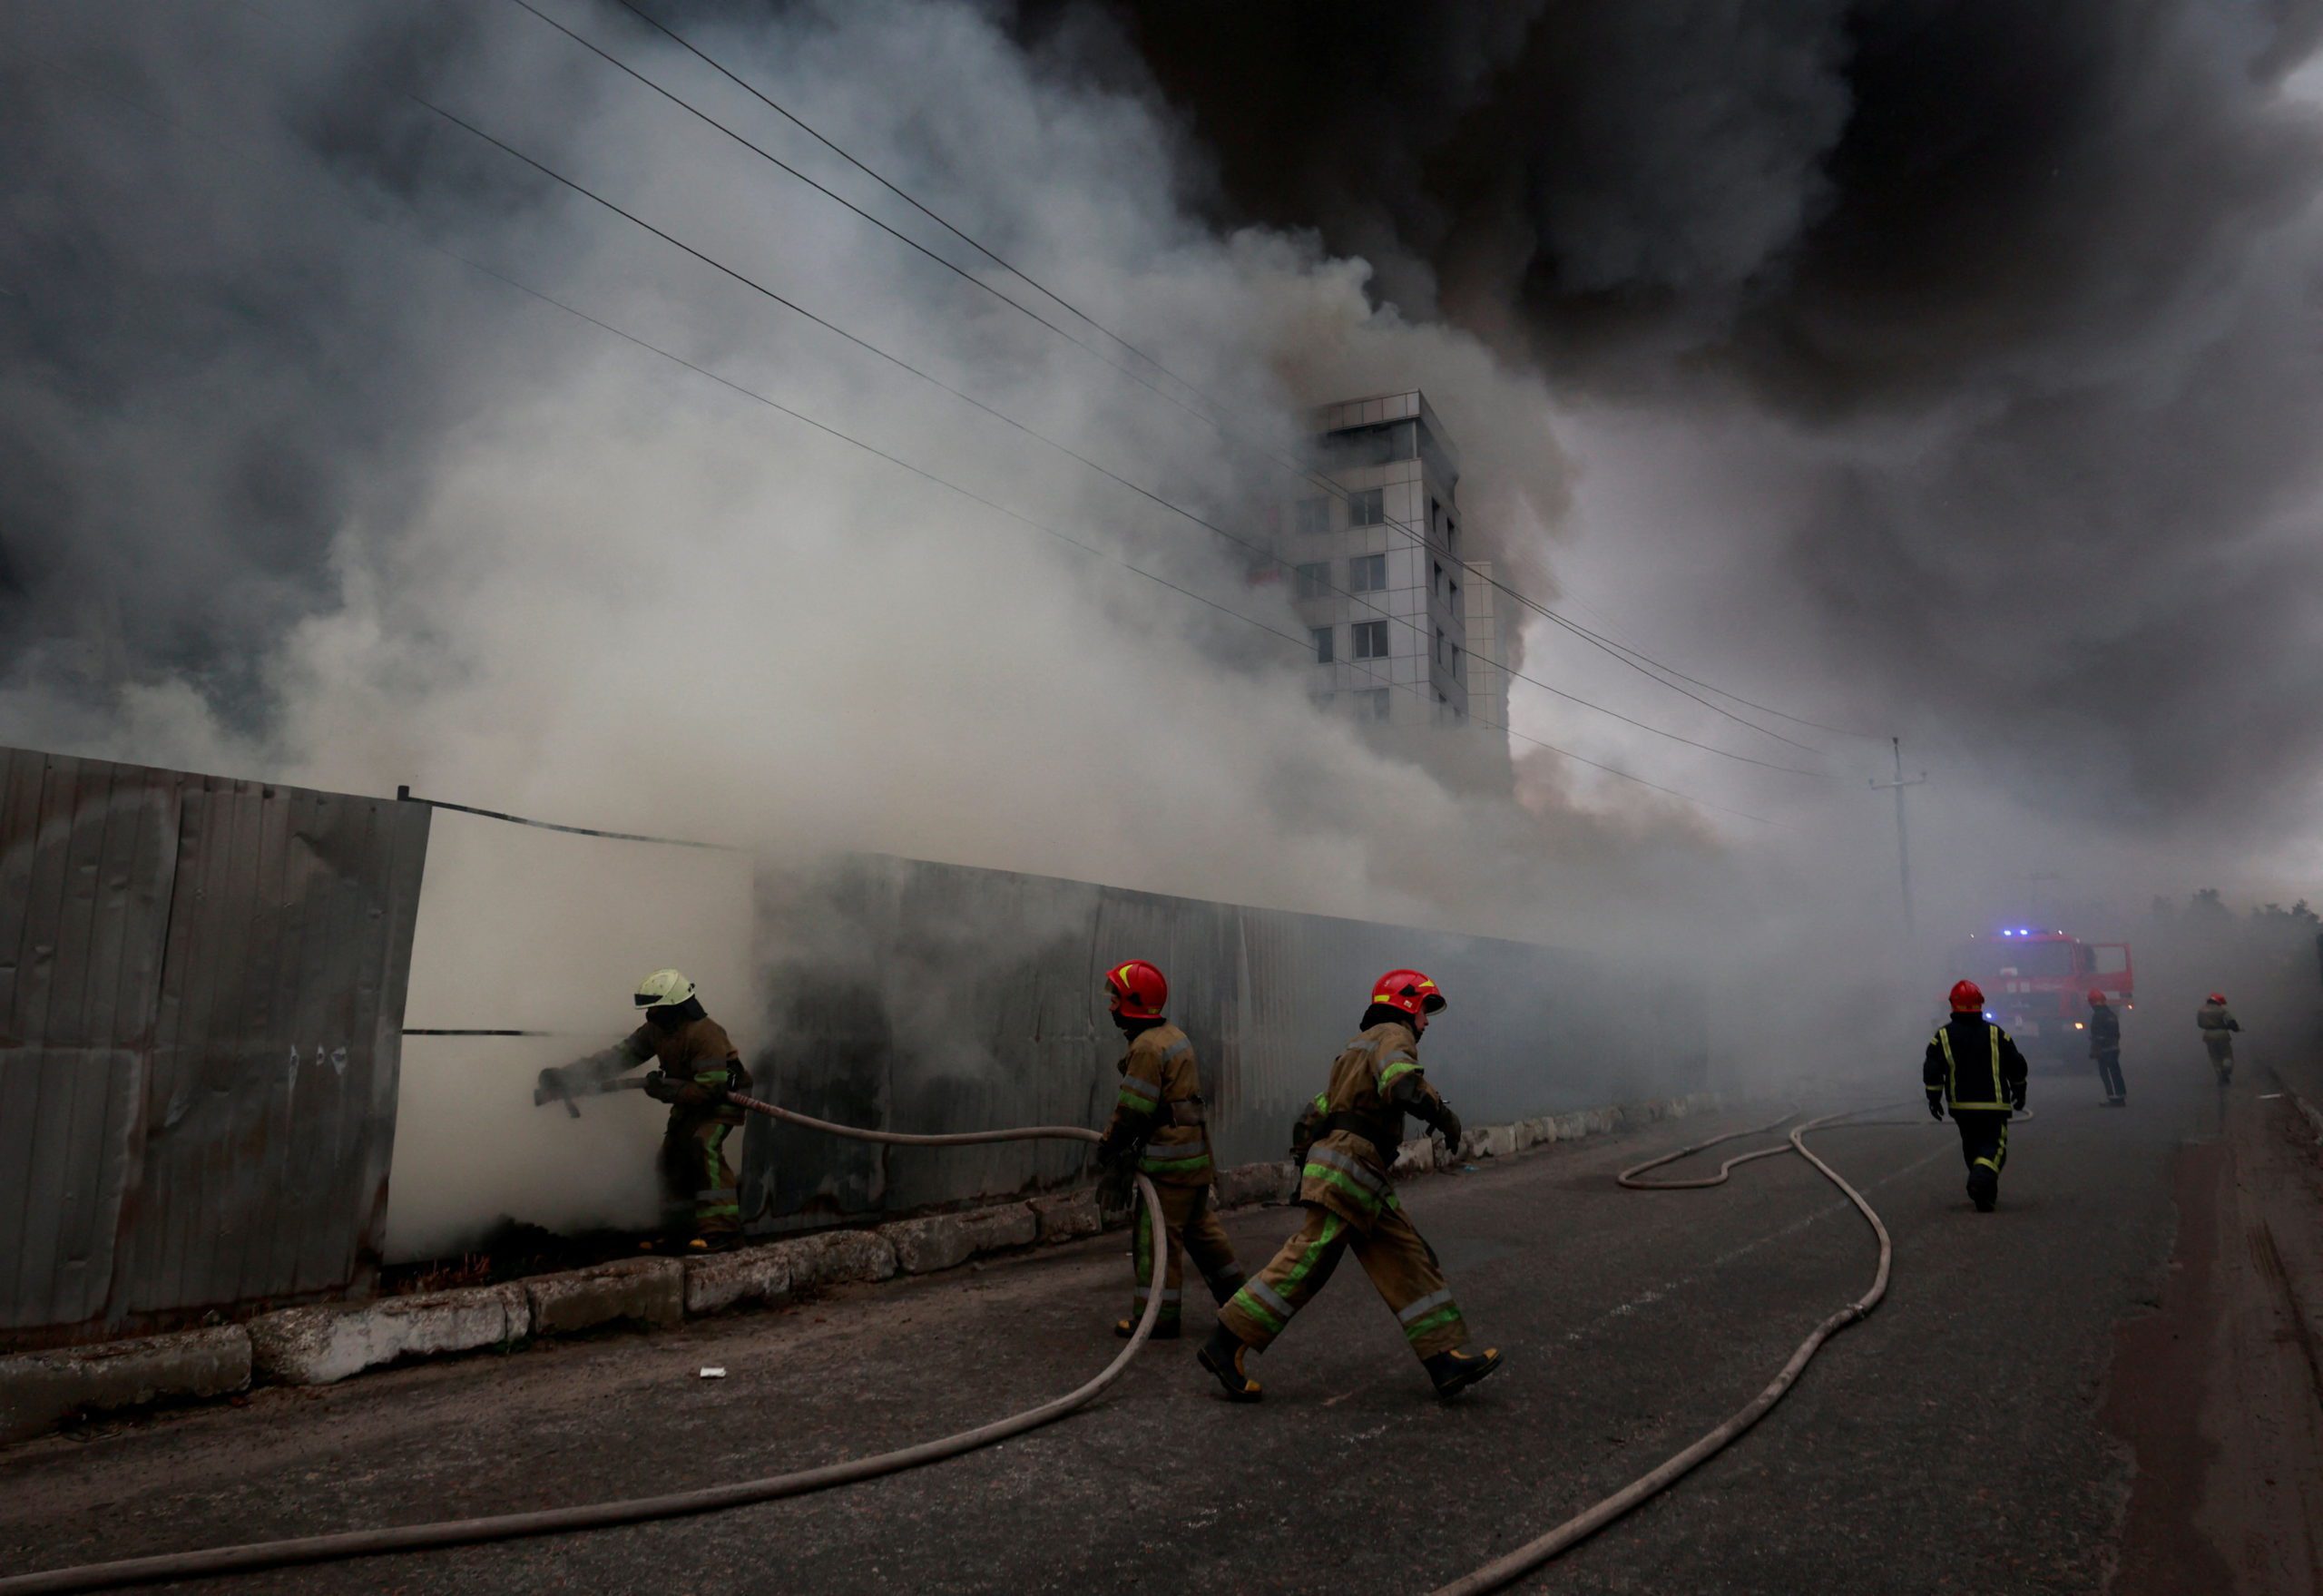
(1514, 1565)
(256, 1555)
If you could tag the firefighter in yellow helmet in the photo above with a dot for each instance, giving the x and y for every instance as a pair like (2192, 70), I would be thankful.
(699, 1065)
(1159, 1129)
(1346, 1143)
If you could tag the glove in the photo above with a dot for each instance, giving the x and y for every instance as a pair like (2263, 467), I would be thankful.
(1116, 1174)
(1935, 1106)
(551, 1085)
(1449, 1124)
(2016, 1099)
(661, 1088)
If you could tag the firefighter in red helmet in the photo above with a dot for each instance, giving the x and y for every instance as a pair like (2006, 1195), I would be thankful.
(1159, 1129)
(1346, 1144)
(2219, 1025)
(1973, 1069)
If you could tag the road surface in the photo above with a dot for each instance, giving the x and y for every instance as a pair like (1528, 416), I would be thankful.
(1966, 1438)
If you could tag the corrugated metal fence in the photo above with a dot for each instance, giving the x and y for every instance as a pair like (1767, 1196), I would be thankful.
(918, 996)
(201, 996)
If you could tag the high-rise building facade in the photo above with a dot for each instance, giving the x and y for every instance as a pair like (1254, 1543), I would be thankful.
(1379, 575)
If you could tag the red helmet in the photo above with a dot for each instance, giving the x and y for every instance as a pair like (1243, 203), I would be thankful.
(2096, 996)
(1139, 990)
(1967, 998)
(2218, 997)
(1407, 990)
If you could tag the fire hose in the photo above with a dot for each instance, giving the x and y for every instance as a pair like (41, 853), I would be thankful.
(1515, 1565)
(1495, 1575)
(253, 1556)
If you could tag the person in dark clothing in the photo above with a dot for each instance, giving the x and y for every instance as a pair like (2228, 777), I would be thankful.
(2105, 1047)
(1973, 1069)
(700, 1064)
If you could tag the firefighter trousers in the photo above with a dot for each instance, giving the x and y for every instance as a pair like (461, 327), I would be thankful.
(1401, 1264)
(2222, 1051)
(2109, 1071)
(1983, 1139)
(698, 1186)
(1191, 1217)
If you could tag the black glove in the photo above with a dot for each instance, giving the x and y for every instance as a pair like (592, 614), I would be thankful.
(1449, 1124)
(2016, 1099)
(661, 1088)
(551, 1086)
(1935, 1106)
(1116, 1173)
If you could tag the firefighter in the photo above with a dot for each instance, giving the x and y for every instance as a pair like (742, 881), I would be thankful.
(2219, 1026)
(1159, 1129)
(1973, 1069)
(1346, 1144)
(2105, 1047)
(700, 1210)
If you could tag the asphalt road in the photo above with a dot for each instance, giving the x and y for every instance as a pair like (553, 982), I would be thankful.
(1953, 1443)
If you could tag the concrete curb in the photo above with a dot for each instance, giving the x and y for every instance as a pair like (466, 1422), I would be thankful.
(41, 1390)
(320, 1346)
(648, 1291)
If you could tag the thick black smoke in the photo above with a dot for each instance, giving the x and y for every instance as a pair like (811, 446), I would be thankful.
(2027, 290)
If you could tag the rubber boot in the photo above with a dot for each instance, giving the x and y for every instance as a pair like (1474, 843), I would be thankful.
(1166, 1330)
(1983, 1187)
(1456, 1371)
(1222, 1356)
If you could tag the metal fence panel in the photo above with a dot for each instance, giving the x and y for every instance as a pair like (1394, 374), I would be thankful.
(914, 996)
(202, 987)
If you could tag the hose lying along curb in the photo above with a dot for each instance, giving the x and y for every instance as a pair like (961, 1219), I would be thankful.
(1504, 1570)
(311, 1549)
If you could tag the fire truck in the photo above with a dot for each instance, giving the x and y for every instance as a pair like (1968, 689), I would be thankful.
(2037, 984)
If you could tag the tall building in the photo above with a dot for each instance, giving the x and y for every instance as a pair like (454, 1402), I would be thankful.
(1385, 614)
(1395, 612)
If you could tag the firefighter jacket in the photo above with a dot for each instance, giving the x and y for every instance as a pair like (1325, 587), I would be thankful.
(1159, 1110)
(1353, 1128)
(1974, 1064)
(2216, 1021)
(2104, 1030)
(692, 1053)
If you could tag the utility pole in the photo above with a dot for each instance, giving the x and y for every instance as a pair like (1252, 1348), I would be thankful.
(1902, 853)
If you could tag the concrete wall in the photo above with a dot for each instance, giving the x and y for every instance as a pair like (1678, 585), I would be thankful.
(916, 997)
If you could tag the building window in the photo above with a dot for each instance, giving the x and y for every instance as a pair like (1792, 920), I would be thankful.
(1367, 574)
(1371, 705)
(1314, 516)
(1451, 538)
(1435, 515)
(1436, 576)
(1367, 507)
(1370, 639)
(1442, 648)
(1322, 636)
(1314, 581)
(1455, 598)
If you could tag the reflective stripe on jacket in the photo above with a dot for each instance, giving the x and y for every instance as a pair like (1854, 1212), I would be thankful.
(1975, 1063)
(1346, 1170)
(1160, 1104)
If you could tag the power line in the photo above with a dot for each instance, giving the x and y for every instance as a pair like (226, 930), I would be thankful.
(1287, 638)
(1065, 449)
(1423, 540)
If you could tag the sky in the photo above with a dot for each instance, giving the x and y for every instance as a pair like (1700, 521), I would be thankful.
(1913, 370)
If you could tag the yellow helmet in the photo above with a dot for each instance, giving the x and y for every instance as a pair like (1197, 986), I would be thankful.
(664, 988)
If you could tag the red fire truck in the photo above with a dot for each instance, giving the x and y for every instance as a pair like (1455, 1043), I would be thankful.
(2037, 983)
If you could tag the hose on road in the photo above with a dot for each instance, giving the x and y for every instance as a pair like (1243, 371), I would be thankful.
(256, 1555)
(1514, 1565)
